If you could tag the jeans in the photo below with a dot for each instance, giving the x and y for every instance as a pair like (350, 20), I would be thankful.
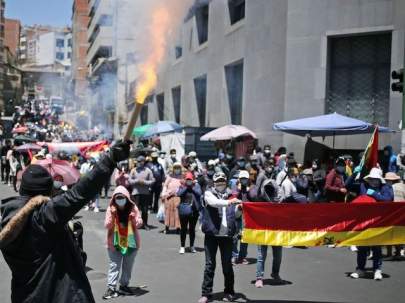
(362, 254)
(120, 262)
(143, 202)
(188, 223)
(156, 191)
(211, 244)
(243, 248)
(261, 260)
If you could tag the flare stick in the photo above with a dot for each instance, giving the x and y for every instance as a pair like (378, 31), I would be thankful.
(132, 121)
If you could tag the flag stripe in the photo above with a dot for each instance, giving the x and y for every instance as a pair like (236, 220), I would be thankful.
(390, 235)
(326, 217)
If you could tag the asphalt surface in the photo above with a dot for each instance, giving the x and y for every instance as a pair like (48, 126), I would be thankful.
(312, 275)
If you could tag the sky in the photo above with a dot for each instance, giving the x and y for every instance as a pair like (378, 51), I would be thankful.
(45, 12)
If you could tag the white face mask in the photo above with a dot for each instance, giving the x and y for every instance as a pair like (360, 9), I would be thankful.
(162, 156)
(121, 202)
(220, 187)
(177, 171)
(189, 182)
(57, 184)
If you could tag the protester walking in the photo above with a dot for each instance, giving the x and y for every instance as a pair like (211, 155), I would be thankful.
(190, 196)
(122, 221)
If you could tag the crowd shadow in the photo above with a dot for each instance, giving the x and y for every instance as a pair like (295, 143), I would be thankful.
(242, 298)
(273, 282)
(369, 274)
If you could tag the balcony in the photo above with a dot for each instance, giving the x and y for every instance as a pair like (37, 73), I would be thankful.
(103, 9)
(103, 38)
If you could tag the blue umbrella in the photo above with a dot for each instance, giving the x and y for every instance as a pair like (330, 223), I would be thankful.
(162, 127)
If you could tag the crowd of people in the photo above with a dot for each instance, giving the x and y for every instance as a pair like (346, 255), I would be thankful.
(184, 193)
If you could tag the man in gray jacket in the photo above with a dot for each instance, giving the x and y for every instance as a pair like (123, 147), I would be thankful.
(141, 180)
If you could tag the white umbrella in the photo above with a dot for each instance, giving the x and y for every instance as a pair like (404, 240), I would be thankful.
(228, 132)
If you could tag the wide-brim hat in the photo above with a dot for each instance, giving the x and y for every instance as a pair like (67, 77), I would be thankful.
(392, 177)
(375, 173)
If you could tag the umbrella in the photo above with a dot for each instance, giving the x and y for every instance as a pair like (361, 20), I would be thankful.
(27, 147)
(141, 130)
(20, 130)
(23, 139)
(162, 127)
(328, 125)
(228, 132)
(61, 167)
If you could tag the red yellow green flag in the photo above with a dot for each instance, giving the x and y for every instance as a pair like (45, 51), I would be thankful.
(370, 156)
(124, 239)
(339, 224)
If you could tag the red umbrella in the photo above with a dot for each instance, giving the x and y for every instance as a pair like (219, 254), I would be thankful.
(63, 168)
(28, 147)
(20, 130)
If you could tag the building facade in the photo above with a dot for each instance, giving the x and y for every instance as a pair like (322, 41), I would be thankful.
(80, 20)
(260, 62)
(28, 43)
(12, 35)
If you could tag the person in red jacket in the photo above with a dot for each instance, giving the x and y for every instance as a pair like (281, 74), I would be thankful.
(335, 189)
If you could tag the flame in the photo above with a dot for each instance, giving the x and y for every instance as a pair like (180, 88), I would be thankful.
(158, 35)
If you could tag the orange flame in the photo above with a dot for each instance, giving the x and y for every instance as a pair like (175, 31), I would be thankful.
(158, 38)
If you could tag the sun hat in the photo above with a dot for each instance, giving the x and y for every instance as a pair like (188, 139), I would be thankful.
(392, 177)
(375, 173)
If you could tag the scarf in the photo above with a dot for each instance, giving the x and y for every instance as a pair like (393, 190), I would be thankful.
(124, 238)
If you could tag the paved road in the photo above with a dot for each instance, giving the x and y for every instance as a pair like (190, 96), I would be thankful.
(314, 275)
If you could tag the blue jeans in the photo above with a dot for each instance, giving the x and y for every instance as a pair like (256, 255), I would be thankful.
(362, 254)
(261, 259)
(243, 249)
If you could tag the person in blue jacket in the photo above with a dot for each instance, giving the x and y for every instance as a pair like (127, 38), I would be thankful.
(375, 187)
(389, 161)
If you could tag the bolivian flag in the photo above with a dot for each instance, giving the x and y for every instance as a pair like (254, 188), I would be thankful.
(124, 238)
(337, 224)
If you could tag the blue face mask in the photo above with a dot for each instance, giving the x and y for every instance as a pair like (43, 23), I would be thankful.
(121, 202)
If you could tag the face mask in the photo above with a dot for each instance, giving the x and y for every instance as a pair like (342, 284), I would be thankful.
(173, 156)
(269, 170)
(254, 164)
(244, 182)
(241, 164)
(314, 166)
(210, 172)
(121, 202)
(57, 184)
(375, 183)
(162, 156)
(340, 169)
(267, 151)
(220, 187)
(229, 157)
(139, 164)
(177, 171)
(189, 182)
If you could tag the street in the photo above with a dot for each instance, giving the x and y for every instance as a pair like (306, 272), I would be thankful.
(312, 275)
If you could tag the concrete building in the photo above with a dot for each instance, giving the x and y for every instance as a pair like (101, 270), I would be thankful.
(260, 62)
(2, 55)
(110, 60)
(55, 46)
(28, 43)
(80, 20)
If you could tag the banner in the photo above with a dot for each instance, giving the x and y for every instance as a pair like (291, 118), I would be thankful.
(340, 224)
(76, 147)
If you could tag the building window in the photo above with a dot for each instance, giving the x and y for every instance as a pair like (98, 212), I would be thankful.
(178, 52)
(70, 42)
(200, 87)
(60, 43)
(176, 95)
(234, 83)
(201, 16)
(160, 101)
(60, 56)
(144, 114)
(69, 55)
(236, 10)
(358, 83)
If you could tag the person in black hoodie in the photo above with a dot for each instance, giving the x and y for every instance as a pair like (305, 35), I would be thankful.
(44, 259)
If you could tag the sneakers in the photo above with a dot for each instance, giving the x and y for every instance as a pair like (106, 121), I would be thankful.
(126, 291)
(353, 248)
(259, 283)
(182, 250)
(229, 298)
(192, 249)
(110, 293)
(203, 299)
(378, 275)
(96, 210)
(243, 261)
(86, 207)
(358, 274)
